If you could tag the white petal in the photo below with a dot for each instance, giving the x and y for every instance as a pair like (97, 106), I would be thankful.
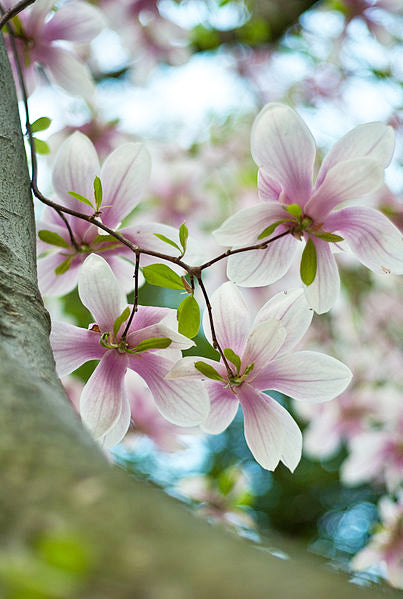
(323, 293)
(68, 72)
(159, 330)
(347, 180)
(245, 226)
(185, 368)
(73, 346)
(124, 176)
(181, 402)
(230, 331)
(223, 408)
(262, 345)
(372, 140)
(269, 190)
(120, 428)
(51, 284)
(100, 293)
(263, 267)
(376, 242)
(282, 144)
(270, 432)
(102, 396)
(292, 310)
(305, 375)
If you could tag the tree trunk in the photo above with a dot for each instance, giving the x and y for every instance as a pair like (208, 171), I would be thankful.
(71, 525)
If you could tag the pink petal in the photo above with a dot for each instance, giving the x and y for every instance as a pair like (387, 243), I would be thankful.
(347, 180)
(120, 428)
(231, 332)
(159, 330)
(185, 368)
(372, 140)
(73, 346)
(269, 190)
(181, 402)
(125, 175)
(244, 227)
(283, 146)
(257, 268)
(148, 315)
(37, 13)
(223, 408)
(75, 22)
(377, 243)
(123, 270)
(76, 166)
(100, 293)
(143, 235)
(305, 375)
(270, 432)
(68, 72)
(262, 345)
(323, 293)
(292, 310)
(102, 396)
(51, 284)
(366, 459)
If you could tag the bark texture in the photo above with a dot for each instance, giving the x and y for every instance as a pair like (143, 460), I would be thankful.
(71, 526)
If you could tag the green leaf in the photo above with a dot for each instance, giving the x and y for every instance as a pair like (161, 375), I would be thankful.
(162, 276)
(64, 266)
(102, 238)
(233, 358)
(188, 317)
(249, 369)
(98, 192)
(41, 147)
(78, 196)
(120, 320)
(152, 343)
(53, 238)
(328, 236)
(208, 371)
(169, 241)
(294, 209)
(183, 236)
(40, 124)
(309, 263)
(271, 228)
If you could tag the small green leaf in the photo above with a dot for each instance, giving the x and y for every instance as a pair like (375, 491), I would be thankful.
(309, 263)
(271, 228)
(98, 192)
(78, 196)
(294, 209)
(41, 147)
(233, 358)
(120, 320)
(152, 343)
(169, 241)
(40, 124)
(328, 236)
(162, 276)
(188, 317)
(53, 238)
(208, 371)
(102, 238)
(249, 369)
(64, 266)
(183, 236)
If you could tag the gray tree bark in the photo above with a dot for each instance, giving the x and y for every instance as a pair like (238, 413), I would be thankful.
(71, 525)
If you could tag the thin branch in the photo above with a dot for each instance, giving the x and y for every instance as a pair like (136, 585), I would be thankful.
(214, 339)
(13, 12)
(136, 295)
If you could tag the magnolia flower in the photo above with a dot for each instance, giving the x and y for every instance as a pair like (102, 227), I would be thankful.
(36, 36)
(285, 152)
(124, 177)
(150, 347)
(258, 361)
(386, 545)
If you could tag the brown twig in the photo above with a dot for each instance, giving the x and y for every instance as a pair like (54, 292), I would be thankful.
(13, 12)
(136, 295)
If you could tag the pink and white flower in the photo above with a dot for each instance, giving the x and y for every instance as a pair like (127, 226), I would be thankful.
(124, 177)
(285, 151)
(104, 406)
(38, 41)
(261, 360)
